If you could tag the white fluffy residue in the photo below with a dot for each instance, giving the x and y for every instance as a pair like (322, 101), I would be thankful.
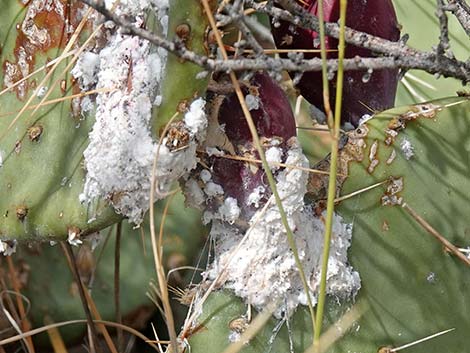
(255, 197)
(41, 91)
(8, 247)
(196, 119)
(274, 157)
(263, 269)
(212, 189)
(193, 193)
(229, 211)
(407, 148)
(252, 102)
(73, 237)
(1, 158)
(86, 69)
(121, 151)
(205, 175)
(214, 151)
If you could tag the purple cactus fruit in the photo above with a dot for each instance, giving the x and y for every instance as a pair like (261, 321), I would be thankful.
(269, 107)
(364, 91)
(275, 124)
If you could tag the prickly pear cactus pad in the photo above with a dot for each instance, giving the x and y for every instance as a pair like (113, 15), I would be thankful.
(59, 299)
(64, 165)
(41, 172)
(411, 286)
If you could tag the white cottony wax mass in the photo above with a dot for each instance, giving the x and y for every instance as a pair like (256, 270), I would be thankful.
(259, 266)
(119, 157)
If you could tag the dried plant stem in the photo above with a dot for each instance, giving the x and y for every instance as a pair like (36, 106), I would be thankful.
(267, 169)
(117, 294)
(72, 322)
(324, 70)
(102, 327)
(277, 164)
(54, 336)
(331, 181)
(25, 325)
(157, 253)
(461, 11)
(397, 55)
(67, 248)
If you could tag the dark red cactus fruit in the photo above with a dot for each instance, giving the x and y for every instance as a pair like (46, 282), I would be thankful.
(275, 124)
(273, 115)
(363, 91)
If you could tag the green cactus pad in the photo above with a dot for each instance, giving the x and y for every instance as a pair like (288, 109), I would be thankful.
(411, 287)
(59, 299)
(188, 23)
(41, 156)
(41, 175)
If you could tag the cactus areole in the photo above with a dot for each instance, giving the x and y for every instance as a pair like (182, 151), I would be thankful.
(364, 91)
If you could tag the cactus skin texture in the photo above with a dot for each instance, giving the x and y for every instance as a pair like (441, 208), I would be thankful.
(362, 91)
(41, 174)
(411, 287)
(41, 171)
(188, 24)
(59, 299)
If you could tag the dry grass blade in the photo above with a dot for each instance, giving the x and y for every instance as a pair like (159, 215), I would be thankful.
(67, 248)
(411, 90)
(25, 324)
(62, 99)
(44, 67)
(180, 268)
(67, 49)
(157, 340)
(17, 328)
(277, 164)
(54, 336)
(157, 252)
(258, 323)
(360, 191)
(340, 328)
(67, 67)
(73, 322)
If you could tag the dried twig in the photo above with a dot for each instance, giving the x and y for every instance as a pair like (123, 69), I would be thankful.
(117, 285)
(461, 11)
(443, 45)
(67, 248)
(396, 54)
